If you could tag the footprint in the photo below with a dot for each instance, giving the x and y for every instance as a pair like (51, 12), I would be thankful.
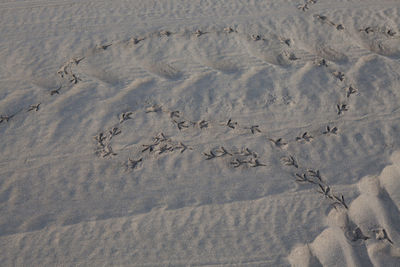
(270, 51)
(388, 47)
(374, 208)
(354, 237)
(381, 44)
(276, 52)
(333, 247)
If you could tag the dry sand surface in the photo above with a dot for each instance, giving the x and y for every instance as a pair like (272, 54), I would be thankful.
(200, 133)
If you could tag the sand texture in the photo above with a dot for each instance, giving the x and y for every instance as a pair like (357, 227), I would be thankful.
(200, 133)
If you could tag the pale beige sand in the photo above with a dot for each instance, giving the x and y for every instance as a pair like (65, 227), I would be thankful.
(243, 92)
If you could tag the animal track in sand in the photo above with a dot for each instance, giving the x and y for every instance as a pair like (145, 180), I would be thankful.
(276, 52)
(381, 40)
(272, 49)
(368, 233)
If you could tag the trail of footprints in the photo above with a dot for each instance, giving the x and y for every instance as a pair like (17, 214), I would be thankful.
(161, 144)
(244, 157)
(69, 72)
(364, 232)
(304, 7)
(313, 177)
(353, 231)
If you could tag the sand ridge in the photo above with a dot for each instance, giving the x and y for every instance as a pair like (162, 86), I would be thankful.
(194, 133)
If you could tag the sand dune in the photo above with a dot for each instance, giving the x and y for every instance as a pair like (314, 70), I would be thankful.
(199, 133)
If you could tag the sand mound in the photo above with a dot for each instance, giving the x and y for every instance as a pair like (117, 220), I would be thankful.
(368, 234)
(186, 133)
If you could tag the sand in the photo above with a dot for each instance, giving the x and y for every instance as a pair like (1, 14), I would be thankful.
(200, 133)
